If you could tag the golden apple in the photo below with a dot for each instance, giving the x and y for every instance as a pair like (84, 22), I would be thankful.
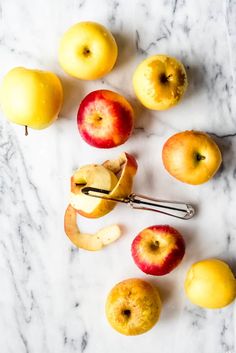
(87, 51)
(87, 241)
(96, 176)
(160, 82)
(191, 157)
(133, 306)
(32, 98)
(210, 284)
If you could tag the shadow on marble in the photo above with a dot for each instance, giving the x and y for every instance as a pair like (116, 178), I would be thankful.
(73, 94)
(126, 49)
(196, 79)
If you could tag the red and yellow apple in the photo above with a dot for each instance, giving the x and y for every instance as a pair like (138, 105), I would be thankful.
(115, 176)
(192, 157)
(87, 241)
(160, 82)
(157, 250)
(133, 306)
(105, 119)
(87, 51)
(210, 284)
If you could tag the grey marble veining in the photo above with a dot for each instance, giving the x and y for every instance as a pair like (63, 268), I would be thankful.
(51, 294)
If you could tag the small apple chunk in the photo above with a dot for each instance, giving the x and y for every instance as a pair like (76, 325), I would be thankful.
(160, 81)
(86, 241)
(192, 157)
(105, 119)
(96, 176)
(158, 250)
(87, 51)
(133, 306)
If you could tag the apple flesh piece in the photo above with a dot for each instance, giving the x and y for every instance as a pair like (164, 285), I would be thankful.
(105, 119)
(192, 157)
(157, 250)
(86, 241)
(92, 176)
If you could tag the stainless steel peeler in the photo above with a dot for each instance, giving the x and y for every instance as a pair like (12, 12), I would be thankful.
(173, 208)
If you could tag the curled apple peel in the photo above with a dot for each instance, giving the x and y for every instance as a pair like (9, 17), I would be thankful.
(87, 241)
(125, 166)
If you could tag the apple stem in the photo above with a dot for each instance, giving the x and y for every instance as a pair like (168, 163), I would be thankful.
(26, 130)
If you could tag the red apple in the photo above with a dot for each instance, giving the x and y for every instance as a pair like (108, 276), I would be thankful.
(105, 119)
(157, 250)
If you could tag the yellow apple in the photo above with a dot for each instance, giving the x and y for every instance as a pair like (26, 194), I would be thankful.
(133, 306)
(210, 284)
(96, 176)
(160, 82)
(86, 241)
(191, 157)
(32, 98)
(87, 51)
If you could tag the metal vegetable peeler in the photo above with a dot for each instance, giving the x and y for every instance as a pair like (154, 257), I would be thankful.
(174, 208)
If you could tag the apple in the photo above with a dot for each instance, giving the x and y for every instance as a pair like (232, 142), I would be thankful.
(160, 82)
(115, 176)
(32, 98)
(94, 176)
(210, 284)
(157, 250)
(87, 51)
(105, 119)
(191, 157)
(86, 241)
(133, 306)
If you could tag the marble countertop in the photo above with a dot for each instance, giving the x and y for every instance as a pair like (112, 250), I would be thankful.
(51, 294)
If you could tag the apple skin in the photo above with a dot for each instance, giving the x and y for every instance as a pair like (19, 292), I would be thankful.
(105, 119)
(192, 157)
(87, 51)
(133, 306)
(160, 81)
(86, 241)
(157, 250)
(124, 167)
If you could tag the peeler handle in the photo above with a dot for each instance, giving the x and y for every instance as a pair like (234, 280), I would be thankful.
(171, 208)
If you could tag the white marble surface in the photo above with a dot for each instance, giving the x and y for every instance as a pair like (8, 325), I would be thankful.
(51, 294)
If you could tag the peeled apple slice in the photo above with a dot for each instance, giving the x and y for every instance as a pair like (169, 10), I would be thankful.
(86, 241)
